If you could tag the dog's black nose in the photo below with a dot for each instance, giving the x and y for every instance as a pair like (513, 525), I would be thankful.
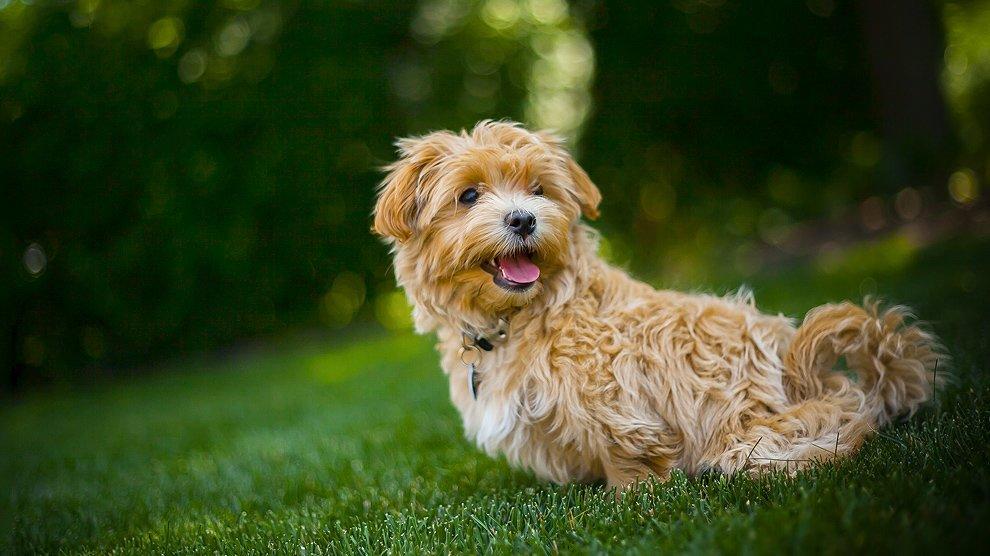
(521, 222)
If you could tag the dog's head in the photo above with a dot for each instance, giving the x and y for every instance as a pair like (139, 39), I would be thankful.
(481, 221)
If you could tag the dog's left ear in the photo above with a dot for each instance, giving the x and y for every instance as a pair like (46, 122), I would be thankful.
(584, 191)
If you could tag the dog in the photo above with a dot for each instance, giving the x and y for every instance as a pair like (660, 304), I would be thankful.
(572, 369)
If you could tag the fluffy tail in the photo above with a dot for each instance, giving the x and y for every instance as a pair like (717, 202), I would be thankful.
(891, 367)
(894, 362)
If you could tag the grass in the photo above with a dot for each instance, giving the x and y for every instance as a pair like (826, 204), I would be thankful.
(354, 447)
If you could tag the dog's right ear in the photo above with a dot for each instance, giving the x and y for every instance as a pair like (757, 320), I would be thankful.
(396, 208)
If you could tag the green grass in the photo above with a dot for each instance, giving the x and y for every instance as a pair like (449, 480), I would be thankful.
(354, 447)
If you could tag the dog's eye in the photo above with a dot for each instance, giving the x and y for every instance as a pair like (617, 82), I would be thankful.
(468, 196)
(538, 190)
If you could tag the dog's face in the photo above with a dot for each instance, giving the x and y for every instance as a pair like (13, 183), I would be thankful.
(481, 221)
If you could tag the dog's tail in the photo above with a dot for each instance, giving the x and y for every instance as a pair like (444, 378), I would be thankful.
(891, 367)
(894, 362)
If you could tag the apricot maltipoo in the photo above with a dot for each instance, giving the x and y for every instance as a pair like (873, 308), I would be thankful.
(573, 369)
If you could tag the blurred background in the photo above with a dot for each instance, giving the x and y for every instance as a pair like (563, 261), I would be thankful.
(179, 177)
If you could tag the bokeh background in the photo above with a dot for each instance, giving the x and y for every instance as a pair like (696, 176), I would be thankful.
(183, 176)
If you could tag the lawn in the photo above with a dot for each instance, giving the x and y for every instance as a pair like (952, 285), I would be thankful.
(352, 446)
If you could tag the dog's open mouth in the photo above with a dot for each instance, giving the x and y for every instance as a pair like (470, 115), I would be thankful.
(514, 272)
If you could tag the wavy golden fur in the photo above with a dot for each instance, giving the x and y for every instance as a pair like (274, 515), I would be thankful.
(601, 376)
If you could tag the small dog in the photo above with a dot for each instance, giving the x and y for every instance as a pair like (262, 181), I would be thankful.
(574, 370)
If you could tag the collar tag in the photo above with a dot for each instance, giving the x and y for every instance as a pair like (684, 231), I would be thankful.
(470, 355)
(471, 346)
(473, 380)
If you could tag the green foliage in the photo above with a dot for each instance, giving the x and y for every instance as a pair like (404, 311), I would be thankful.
(177, 174)
(185, 190)
(716, 122)
(355, 448)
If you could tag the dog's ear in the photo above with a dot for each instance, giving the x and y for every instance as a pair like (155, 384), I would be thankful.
(396, 208)
(584, 191)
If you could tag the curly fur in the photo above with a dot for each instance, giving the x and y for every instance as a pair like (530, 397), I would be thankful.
(601, 376)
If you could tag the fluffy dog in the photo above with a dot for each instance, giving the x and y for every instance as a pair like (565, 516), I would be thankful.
(573, 369)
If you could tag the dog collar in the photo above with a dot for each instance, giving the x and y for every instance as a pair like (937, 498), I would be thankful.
(488, 343)
(471, 349)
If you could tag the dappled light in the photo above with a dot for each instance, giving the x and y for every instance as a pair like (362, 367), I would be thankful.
(550, 43)
(963, 186)
(343, 300)
(392, 311)
(35, 259)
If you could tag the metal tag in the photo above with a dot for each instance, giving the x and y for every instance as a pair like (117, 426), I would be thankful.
(473, 380)
(470, 355)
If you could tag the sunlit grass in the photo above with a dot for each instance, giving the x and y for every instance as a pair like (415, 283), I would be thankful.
(354, 447)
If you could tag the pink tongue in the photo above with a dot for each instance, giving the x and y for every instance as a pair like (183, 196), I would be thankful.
(519, 269)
